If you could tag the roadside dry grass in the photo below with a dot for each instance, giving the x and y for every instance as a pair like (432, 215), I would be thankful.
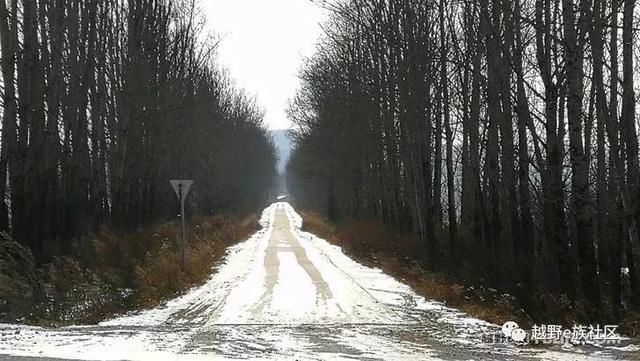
(161, 276)
(112, 273)
(374, 245)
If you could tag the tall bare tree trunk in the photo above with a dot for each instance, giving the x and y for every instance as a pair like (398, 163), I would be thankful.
(552, 184)
(614, 185)
(603, 202)
(574, 52)
(630, 139)
(9, 111)
(453, 227)
(511, 225)
(498, 248)
(526, 250)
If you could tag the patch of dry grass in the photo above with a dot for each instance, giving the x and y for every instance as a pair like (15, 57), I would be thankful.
(160, 275)
(110, 273)
(314, 223)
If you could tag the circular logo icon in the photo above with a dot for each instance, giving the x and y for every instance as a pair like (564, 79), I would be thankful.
(518, 335)
(508, 328)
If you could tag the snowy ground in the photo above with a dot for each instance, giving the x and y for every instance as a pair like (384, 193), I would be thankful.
(286, 294)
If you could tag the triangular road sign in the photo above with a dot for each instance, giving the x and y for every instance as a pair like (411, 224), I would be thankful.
(181, 186)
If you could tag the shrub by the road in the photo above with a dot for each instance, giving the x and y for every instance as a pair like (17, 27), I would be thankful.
(19, 285)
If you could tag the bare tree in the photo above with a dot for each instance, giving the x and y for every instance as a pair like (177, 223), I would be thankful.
(517, 91)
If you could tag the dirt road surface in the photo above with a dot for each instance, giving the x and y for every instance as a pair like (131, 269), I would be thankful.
(285, 294)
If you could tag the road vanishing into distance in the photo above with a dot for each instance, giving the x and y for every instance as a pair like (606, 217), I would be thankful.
(285, 294)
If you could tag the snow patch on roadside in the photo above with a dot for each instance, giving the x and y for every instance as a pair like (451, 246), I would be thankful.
(199, 301)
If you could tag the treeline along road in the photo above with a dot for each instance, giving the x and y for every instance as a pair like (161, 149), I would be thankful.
(102, 103)
(503, 135)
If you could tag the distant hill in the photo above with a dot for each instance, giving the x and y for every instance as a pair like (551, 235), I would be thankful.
(283, 145)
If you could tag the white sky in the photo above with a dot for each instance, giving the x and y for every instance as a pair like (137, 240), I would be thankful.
(263, 45)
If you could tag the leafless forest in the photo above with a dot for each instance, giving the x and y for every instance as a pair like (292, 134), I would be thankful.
(104, 101)
(502, 135)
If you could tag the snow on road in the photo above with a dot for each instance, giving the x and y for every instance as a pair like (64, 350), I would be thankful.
(286, 294)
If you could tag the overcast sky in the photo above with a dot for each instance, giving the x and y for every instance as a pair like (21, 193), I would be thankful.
(263, 45)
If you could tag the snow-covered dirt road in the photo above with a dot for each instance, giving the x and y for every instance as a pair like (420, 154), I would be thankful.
(286, 294)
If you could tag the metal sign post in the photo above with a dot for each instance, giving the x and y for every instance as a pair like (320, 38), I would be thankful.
(182, 187)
